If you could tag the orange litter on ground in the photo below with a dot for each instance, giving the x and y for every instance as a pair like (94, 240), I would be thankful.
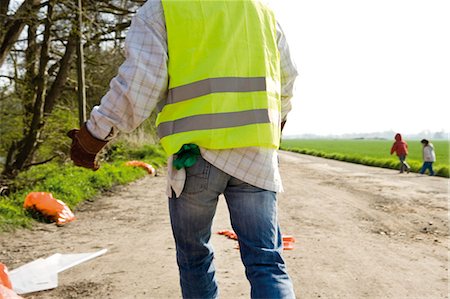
(4, 278)
(147, 167)
(53, 209)
(228, 233)
(6, 289)
(288, 241)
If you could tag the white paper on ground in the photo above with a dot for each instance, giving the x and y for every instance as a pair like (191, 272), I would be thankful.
(66, 261)
(35, 276)
(42, 274)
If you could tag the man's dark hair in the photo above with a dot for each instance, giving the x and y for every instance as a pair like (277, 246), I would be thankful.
(424, 141)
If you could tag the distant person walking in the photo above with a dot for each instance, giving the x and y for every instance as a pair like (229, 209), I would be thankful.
(429, 157)
(400, 147)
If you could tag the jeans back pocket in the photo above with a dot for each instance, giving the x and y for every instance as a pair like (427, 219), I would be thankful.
(197, 176)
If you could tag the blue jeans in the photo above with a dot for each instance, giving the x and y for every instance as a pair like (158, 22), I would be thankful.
(253, 213)
(425, 166)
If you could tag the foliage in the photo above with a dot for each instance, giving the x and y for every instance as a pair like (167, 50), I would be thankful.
(73, 184)
(370, 152)
(56, 142)
(11, 129)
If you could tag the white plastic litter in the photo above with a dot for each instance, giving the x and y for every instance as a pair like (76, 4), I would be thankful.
(42, 274)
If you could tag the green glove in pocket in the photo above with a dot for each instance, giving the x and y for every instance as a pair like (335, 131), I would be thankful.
(186, 156)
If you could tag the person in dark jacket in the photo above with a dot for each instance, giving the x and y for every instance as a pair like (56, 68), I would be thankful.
(400, 147)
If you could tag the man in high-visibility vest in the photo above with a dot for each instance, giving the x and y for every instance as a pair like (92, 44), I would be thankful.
(220, 75)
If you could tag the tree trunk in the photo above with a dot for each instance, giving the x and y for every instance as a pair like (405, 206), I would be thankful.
(61, 78)
(13, 27)
(27, 146)
(27, 92)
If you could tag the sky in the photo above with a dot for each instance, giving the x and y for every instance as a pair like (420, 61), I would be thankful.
(368, 66)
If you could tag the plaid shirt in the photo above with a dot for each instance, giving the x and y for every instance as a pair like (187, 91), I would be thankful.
(142, 84)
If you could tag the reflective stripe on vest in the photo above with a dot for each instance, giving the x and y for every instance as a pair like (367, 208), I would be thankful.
(213, 121)
(212, 85)
(224, 81)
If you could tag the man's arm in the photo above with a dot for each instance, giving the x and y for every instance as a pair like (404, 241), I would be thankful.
(288, 73)
(142, 79)
(140, 84)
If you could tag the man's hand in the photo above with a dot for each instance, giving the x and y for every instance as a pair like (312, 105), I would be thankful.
(84, 148)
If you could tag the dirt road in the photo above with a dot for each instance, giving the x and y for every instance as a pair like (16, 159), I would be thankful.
(362, 232)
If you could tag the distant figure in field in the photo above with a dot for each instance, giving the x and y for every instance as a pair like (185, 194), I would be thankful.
(428, 156)
(401, 148)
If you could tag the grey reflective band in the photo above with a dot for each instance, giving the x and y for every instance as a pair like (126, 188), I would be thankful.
(160, 105)
(213, 85)
(213, 121)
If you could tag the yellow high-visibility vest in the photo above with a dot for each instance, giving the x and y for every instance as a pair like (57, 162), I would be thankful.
(224, 75)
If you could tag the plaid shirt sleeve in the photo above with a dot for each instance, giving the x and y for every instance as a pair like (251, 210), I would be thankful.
(288, 73)
(142, 79)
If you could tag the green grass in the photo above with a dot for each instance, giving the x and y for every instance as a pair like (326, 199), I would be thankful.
(72, 184)
(370, 152)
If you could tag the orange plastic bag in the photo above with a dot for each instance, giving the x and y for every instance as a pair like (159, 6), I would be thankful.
(141, 164)
(230, 234)
(288, 242)
(4, 278)
(6, 291)
(52, 208)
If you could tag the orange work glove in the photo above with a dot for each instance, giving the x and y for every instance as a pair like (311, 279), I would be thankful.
(85, 148)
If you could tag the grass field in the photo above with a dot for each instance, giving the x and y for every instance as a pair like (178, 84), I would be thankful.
(370, 152)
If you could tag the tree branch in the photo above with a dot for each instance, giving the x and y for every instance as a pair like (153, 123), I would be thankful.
(39, 163)
(8, 77)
